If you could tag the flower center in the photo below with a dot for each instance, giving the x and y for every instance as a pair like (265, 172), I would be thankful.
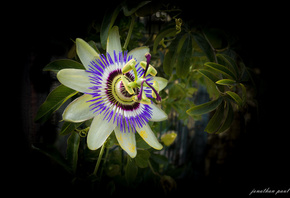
(116, 91)
(121, 92)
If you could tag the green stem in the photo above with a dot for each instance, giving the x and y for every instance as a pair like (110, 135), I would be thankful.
(129, 32)
(152, 169)
(99, 159)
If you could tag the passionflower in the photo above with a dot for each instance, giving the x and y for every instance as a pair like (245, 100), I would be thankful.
(117, 90)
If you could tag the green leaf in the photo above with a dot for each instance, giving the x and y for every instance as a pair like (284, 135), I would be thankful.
(228, 120)
(229, 62)
(221, 69)
(161, 35)
(159, 159)
(68, 127)
(236, 97)
(132, 6)
(244, 93)
(167, 66)
(60, 64)
(107, 24)
(204, 108)
(131, 171)
(208, 75)
(94, 46)
(142, 158)
(112, 170)
(73, 143)
(54, 154)
(215, 122)
(177, 91)
(53, 102)
(184, 56)
(204, 45)
(228, 82)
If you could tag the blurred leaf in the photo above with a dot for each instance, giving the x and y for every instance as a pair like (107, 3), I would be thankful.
(53, 102)
(177, 91)
(94, 46)
(224, 59)
(131, 171)
(159, 159)
(221, 69)
(236, 97)
(60, 64)
(167, 66)
(204, 108)
(54, 154)
(215, 122)
(244, 93)
(184, 56)
(208, 75)
(132, 6)
(228, 82)
(149, 9)
(113, 170)
(142, 158)
(73, 143)
(163, 33)
(204, 45)
(228, 120)
(68, 127)
(107, 23)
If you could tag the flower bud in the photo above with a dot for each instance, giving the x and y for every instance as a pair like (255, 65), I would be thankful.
(168, 138)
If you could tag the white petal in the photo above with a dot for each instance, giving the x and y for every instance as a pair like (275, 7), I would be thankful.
(139, 53)
(148, 136)
(79, 110)
(127, 141)
(99, 131)
(162, 82)
(158, 114)
(85, 52)
(76, 79)
(113, 41)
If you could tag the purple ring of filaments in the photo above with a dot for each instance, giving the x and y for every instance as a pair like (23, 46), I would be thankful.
(128, 117)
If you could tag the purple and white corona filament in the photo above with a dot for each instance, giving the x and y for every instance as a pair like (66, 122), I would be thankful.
(117, 90)
(110, 96)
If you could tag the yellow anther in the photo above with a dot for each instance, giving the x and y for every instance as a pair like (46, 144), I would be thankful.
(151, 70)
(129, 66)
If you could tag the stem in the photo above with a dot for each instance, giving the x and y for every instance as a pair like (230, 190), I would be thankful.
(99, 159)
(129, 32)
(153, 171)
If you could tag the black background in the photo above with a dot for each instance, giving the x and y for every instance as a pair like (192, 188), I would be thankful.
(262, 162)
